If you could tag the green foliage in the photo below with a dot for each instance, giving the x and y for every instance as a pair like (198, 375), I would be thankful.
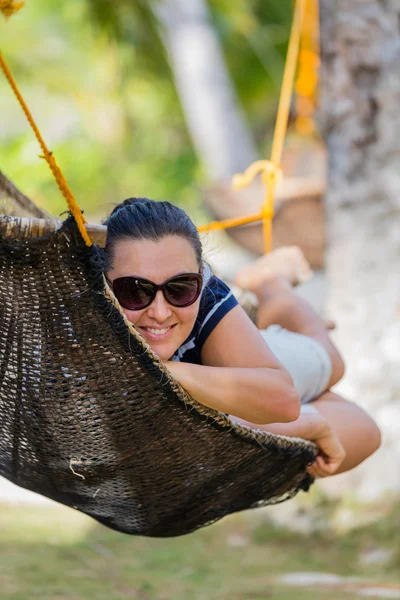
(96, 78)
(133, 24)
(255, 35)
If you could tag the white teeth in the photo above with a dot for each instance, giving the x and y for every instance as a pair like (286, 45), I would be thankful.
(158, 331)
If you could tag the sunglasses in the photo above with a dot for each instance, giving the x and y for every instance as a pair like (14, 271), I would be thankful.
(136, 293)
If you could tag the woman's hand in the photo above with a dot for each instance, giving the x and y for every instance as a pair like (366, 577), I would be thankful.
(311, 425)
(331, 453)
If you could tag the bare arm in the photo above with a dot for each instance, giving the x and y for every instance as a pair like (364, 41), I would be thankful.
(311, 425)
(239, 374)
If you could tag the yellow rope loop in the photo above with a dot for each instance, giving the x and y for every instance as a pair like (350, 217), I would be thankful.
(271, 174)
(9, 7)
(265, 167)
(48, 156)
(270, 171)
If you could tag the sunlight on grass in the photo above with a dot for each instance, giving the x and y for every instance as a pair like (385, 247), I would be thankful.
(55, 524)
(54, 552)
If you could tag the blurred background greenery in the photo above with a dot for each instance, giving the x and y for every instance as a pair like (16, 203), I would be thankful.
(96, 77)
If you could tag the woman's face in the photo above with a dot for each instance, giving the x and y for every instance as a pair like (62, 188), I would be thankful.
(158, 261)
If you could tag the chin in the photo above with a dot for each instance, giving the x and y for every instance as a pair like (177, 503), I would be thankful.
(164, 353)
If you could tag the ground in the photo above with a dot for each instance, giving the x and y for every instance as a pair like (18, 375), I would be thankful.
(54, 553)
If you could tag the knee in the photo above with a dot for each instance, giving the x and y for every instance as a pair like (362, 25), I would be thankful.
(368, 435)
(357, 431)
(338, 366)
(373, 437)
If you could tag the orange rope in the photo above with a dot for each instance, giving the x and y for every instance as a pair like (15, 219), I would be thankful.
(9, 7)
(307, 77)
(287, 84)
(48, 156)
(270, 170)
(229, 223)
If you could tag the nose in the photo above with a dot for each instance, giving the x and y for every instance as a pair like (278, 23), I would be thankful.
(159, 309)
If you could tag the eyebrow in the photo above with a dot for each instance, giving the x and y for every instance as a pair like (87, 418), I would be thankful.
(175, 275)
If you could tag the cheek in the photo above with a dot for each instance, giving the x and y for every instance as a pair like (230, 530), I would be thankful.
(185, 316)
(188, 316)
(133, 316)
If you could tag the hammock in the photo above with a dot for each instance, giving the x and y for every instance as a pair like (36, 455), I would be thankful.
(14, 202)
(91, 418)
(89, 415)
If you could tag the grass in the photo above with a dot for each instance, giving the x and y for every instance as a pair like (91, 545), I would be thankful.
(54, 553)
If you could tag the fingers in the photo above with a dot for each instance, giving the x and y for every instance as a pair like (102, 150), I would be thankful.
(316, 471)
(324, 466)
(331, 455)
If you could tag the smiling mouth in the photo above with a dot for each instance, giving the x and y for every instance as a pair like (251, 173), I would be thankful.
(157, 332)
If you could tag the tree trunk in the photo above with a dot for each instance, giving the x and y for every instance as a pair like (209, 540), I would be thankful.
(216, 124)
(361, 121)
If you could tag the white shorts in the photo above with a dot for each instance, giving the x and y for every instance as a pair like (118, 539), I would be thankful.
(306, 360)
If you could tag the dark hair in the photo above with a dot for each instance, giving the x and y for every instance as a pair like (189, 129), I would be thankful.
(144, 219)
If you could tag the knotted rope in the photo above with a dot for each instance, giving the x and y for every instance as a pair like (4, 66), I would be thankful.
(270, 169)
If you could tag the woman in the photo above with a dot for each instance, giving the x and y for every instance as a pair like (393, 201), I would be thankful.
(274, 377)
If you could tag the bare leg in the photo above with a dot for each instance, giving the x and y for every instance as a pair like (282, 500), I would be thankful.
(358, 433)
(272, 279)
(342, 425)
(289, 262)
(345, 434)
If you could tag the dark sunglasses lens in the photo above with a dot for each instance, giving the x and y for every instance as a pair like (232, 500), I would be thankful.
(133, 293)
(183, 291)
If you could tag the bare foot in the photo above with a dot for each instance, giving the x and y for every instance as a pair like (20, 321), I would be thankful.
(288, 263)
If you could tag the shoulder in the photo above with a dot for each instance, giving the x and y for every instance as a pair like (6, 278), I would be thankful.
(216, 301)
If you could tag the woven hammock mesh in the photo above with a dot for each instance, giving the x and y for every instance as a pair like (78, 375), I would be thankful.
(91, 419)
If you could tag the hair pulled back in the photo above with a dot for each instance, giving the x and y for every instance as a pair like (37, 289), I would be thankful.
(144, 219)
